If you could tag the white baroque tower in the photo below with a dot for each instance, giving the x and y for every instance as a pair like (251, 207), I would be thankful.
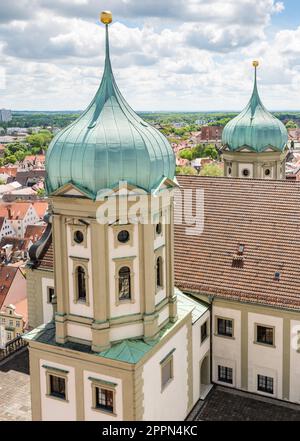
(117, 348)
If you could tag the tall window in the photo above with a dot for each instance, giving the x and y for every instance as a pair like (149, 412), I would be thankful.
(265, 384)
(104, 399)
(159, 270)
(58, 387)
(204, 332)
(81, 283)
(265, 335)
(124, 283)
(225, 327)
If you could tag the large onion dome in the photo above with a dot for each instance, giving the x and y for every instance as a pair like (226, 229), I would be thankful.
(255, 128)
(109, 143)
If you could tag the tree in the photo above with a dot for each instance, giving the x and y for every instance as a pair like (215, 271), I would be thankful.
(212, 169)
(186, 170)
(41, 192)
(291, 125)
(187, 154)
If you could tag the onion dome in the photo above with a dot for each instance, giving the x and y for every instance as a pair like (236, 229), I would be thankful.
(109, 143)
(255, 128)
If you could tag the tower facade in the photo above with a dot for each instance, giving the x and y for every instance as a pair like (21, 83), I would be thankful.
(255, 142)
(117, 348)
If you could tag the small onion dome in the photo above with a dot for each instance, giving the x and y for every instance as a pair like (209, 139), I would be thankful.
(109, 143)
(255, 128)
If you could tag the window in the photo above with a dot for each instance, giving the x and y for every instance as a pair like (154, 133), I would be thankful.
(158, 228)
(267, 172)
(78, 236)
(166, 372)
(229, 171)
(225, 374)
(3, 320)
(225, 327)
(246, 172)
(57, 386)
(159, 271)
(50, 295)
(204, 332)
(265, 384)
(8, 336)
(104, 399)
(264, 335)
(11, 323)
(124, 283)
(123, 236)
(81, 284)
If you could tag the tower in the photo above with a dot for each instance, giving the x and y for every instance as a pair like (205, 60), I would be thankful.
(254, 142)
(117, 348)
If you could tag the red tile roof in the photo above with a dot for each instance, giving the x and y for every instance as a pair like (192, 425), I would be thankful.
(34, 232)
(7, 275)
(262, 215)
(46, 260)
(14, 210)
(40, 208)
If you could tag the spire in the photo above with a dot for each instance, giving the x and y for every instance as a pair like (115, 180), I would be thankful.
(106, 18)
(255, 99)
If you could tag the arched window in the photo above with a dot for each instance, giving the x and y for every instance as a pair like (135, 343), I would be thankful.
(159, 270)
(124, 283)
(81, 283)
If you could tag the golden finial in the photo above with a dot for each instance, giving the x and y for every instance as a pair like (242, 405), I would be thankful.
(255, 63)
(106, 17)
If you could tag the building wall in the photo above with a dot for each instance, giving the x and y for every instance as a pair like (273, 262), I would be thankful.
(249, 358)
(227, 351)
(38, 281)
(171, 404)
(201, 350)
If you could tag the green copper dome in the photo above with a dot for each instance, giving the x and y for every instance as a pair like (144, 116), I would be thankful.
(255, 128)
(109, 143)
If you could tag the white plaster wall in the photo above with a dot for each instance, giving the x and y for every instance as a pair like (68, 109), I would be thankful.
(163, 315)
(294, 362)
(54, 409)
(79, 331)
(126, 331)
(200, 350)
(124, 251)
(171, 403)
(47, 307)
(263, 359)
(227, 351)
(242, 166)
(95, 415)
(78, 250)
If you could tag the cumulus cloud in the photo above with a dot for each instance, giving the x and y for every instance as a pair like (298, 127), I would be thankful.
(176, 54)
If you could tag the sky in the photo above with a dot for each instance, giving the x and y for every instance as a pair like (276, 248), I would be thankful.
(167, 55)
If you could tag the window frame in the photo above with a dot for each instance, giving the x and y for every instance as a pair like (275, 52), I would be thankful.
(60, 373)
(117, 229)
(224, 379)
(203, 339)
(256, 341)
(226, 319)
(265, 389)
(77, 262)
(168, 359)
(97, 383)
(83, 229)
(120, 263)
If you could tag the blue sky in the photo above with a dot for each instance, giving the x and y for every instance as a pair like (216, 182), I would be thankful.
(175, 55)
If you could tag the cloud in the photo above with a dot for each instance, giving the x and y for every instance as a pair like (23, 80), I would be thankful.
(175, 54)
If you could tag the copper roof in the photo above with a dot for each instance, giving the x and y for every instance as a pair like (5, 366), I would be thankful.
(262, 215)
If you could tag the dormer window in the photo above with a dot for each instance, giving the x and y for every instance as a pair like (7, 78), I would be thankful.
(277, 276)
(241, 249)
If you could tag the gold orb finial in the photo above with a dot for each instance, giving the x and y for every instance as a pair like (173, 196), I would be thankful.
(255, 63)
(106, 17)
